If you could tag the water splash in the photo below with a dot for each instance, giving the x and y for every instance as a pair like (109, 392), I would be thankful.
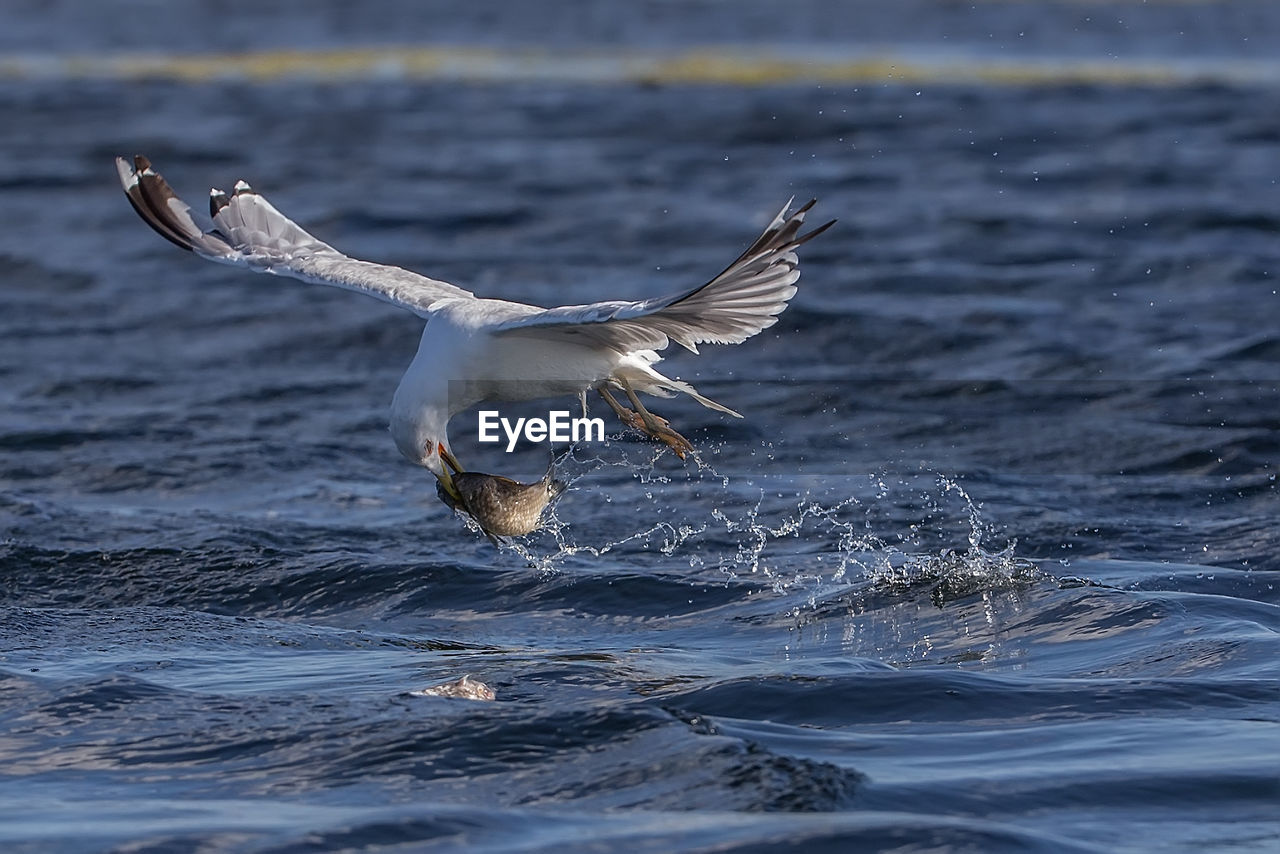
(576, 464)
(900, 531)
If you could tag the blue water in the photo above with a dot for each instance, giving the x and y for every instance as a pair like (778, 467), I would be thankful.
(991, 564)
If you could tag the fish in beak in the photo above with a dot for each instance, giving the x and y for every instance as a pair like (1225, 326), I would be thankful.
(501, 506)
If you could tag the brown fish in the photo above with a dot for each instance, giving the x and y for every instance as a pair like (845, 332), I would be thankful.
(503, 507)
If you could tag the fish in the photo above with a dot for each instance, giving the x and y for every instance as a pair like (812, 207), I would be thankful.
(502, 507)
(465, 688)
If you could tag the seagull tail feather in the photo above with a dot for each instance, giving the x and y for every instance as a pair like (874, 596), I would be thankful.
(705, 401)
(651, 382)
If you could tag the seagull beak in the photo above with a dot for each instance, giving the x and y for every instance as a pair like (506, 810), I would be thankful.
(449, 458)
(444, 477)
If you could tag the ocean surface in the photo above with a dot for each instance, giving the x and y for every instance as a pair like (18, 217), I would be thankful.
(990, 564)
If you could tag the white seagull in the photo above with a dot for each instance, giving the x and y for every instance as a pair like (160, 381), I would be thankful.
(475, 350)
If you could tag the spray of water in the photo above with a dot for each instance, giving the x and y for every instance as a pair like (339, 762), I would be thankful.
(897, 531)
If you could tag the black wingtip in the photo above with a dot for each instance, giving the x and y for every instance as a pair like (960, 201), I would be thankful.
(217, 201)
(805, 207)
(149, 195)
(805, 238)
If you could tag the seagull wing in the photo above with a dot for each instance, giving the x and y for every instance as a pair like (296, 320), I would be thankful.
(740, 302)
(249, 232)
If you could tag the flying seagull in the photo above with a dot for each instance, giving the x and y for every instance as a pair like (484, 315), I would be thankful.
(474, 349)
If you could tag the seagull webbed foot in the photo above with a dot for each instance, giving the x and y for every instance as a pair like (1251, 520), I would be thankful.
(654, 426)
(658, 428)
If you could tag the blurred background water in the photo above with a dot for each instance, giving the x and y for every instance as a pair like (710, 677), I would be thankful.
(989, 565)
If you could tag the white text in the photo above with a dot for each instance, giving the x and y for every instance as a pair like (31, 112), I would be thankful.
(558, 426)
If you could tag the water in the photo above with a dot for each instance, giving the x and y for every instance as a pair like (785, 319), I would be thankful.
(991, 564)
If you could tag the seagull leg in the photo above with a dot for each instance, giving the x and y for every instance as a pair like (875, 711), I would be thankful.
(654, 426)
(626, 416)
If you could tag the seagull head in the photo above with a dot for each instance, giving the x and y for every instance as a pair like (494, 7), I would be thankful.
(421, 434)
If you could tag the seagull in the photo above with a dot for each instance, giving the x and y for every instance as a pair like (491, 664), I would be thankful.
(477, 350)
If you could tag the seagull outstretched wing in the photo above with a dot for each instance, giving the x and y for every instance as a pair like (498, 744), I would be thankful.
(740, 302)
(249, 232)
